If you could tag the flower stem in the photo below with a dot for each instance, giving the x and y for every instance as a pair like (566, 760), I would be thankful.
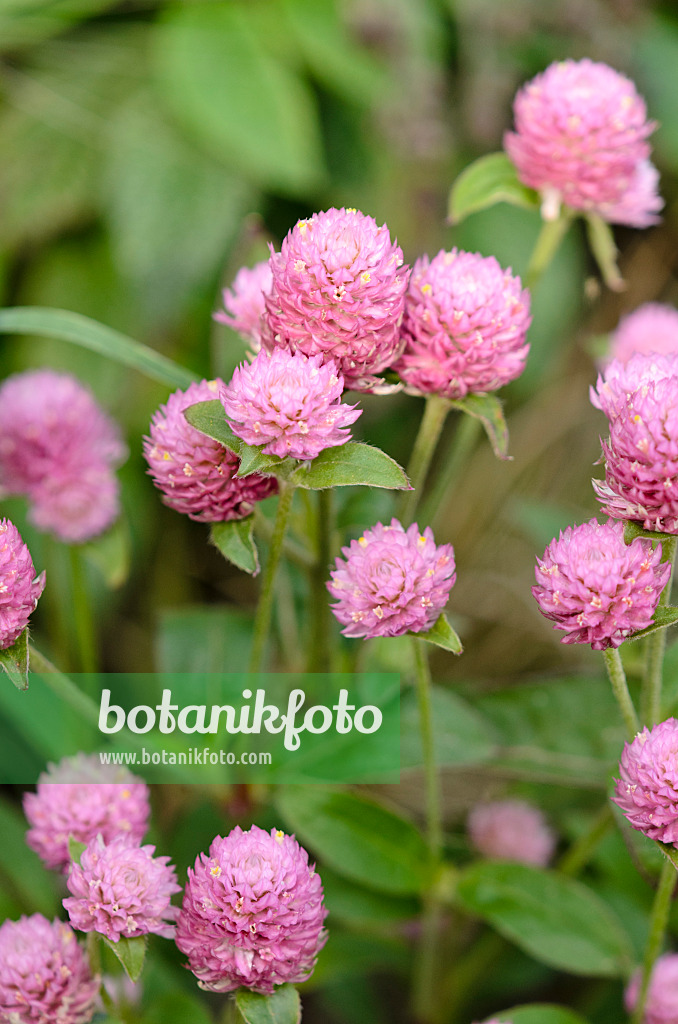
(82, 613)
(579, 854)
(453, 462)
(651, 692)
(262, 620)
(319, 656)
(549, 239)
(435, 414)
(658, 922)
(615, 671)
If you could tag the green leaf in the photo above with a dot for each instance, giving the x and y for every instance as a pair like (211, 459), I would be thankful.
(664, 616)
(365, 908)
(633, 530)
(555, 919)
(283, 1007)
(442, 635)
(176, 1008)
(25, 22)
(235, 541)
(460, 734)
(353, 463)
(75, 849)
(22, 871)
(254, 460)
(14, 660)
(489, 180)
(358, 838)
(209, 418)
(488, 409)
(131, 953)
(540, 1013)
(111, 553)
(604, 249)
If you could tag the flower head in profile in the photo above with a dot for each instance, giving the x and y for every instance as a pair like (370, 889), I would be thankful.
(652, 329)
(244, 304)
(20, 588)
(391, 581)
(511, 830)
(253, 913)
(662, 997)
(647, 788)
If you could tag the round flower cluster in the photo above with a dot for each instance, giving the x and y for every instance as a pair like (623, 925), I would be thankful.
(464, 326)
(511, 830)
(252, 913)
(662, 996)
(581, 139)
(244, 302)
(650, 329)
(647, 789)
(20, 588)
(391, 581)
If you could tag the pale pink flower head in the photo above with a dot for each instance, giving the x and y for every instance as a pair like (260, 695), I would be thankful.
(647, 788)
(511, 830)
(338, 291)
(82, 798)
(650, 329)
(662, 996)
(244, 302)
(121, 890)
(253, 913)
(197, 475)
(391, 581)
(581, 139)
(464, 326)
(288, 403)
(20, 588)
(44, 974)
(596, 588)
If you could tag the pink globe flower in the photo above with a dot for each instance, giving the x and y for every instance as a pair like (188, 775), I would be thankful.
(464, 326)
(651, 329)
(596, 588)
(20, 588)
(647, 789)
(662, 997)
(253, 913)
(338, 291)
(44, 974)
(121, 891)
(197, 476)
(511, 830)
(244, 302)
(82, 798)
(391, 581)
(581, 139)
(290, 404)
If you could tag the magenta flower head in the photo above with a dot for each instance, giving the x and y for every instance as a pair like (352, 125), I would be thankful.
(596, 588)
(662, 997)
(511, 830)
(197, 476)
(391, 581)
(651, 329)
(464, 326)
(290, 404)
(20, 588)
(338, 291)
(82, 798)
(44, 974)
(253, 913)
(581, 139)
(647, 789)
(121, 891)
(244, 302)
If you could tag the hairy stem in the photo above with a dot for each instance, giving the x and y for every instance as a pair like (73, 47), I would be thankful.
(435, 413)
(615, 671)
(658, 922)
(547, 244)
(262, 619)
(319, 656)
(651, 692)
(82, 613)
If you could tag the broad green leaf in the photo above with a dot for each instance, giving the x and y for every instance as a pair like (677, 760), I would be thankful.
(26, 22)
(351, 463)
(176, 1008)
(540, 1013)
(235, 541)
(363, 907)
(488, 180)
(209, 418)
(283, 1007)
(203, 638)
(442, 635)
(460, 734)
(21, 871)
(254, 460)
(75, 849)
(111, 553)
(14, 660)
(351, 954)
(557, 920)
(604, 249)
(488, 409)
(359, 838)
(131, 953)
(664, 616)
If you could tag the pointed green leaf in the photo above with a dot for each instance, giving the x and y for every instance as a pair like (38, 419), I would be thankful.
(604, 249)
(283, 1007)
(488, 409)
(253, 460)
(489, 180)
(442, 635)
(14, 660)
(131, 954)
(235, 541)
(348, 464)
(633, 530)
(540, 1013)
(664, 616)
(75, 849)
(209, 418)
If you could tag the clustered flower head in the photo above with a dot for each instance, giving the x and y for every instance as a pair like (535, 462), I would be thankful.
(20, 588)
(651, 329)
(244, 304)
(44, 974)
(290, 404)
(338, 290)
(647, 788)
(197, 475)
(464, 326)
(595, 587)
(121, 890)
(581, 139)
(662, 997)
(252, 914)
(391, 581)
(59, 449)
(79, 797)
(511, 830)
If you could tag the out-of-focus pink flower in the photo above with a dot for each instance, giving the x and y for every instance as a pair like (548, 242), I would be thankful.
(651, 329)
(290, 404)
(338, 290)
(20, 588)
(511, 830)
(647, 788)
(244, 302)
(581, 139)
(662, 997)
(252, 914)
(391, 581)
(464, 326)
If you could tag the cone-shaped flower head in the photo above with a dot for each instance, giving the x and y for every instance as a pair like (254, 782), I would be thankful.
(197, 476)
(44, 974)
(581, 139)
(244, 304)
(464, 325)
(647, 788)
(662, 996)
(20, 588)
(392, 581)
(650, 329)
(122, 890)
(595, 587)
(511, 830)
(82, 798)
(253, 913)
(338, 290)
(288, 403)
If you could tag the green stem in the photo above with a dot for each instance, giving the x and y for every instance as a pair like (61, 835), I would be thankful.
(262, 619)
(319, 656)
(651, 692)
(547, 244)
(579, 854)
(615, 671)
(82, 613)
(658, 922)
(94, 957)
(453, 463)
(294, 552)
(435, 413)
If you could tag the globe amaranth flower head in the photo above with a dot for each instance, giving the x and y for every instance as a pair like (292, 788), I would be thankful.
(511, 830)
(59, 449)
(650, 330)
(647, 788)
(338, 290)
(197, 475)
(391, 581)
(121, 890)
(581, 139)
(44, 974)
(20, 588)
(79, 797)
(244, 304)
(596, 588)
(253, 913)
(464, 326)
(288, 403)
(662, 996)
